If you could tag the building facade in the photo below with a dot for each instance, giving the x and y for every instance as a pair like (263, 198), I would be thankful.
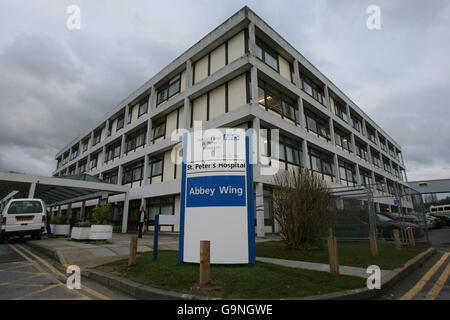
(242, 74)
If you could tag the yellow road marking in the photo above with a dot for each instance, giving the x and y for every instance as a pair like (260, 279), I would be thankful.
(434, 292)
(38, 267)
(39, 291)
(83, 287)
(422, 282)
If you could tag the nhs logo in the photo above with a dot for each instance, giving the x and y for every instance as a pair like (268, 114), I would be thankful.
(231, 136)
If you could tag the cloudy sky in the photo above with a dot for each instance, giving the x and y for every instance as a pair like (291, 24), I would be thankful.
(56, 82)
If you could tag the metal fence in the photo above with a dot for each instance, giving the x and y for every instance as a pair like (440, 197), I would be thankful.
(358, 210)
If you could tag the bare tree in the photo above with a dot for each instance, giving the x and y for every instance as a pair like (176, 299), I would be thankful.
(301, 206)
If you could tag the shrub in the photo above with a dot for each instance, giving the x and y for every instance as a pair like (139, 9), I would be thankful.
(83, 224)
(301, 206)
(102, 214)
(59, 220)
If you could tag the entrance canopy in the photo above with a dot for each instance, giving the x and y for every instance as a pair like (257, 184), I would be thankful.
(431, 186)
(56, 191)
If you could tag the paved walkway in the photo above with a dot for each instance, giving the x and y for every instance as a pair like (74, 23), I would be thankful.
(91, 254)
(345, 270)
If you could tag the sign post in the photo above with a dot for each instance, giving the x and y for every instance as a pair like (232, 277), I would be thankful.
(217, 197)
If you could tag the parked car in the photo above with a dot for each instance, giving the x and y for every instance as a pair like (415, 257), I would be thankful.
(432, 222)
(386, 226)
(22, 217)
(444, 220)
(401, 217)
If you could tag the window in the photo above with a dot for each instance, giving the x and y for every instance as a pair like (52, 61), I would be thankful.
(312, 89)
(111, 177)
(82, 167)
(340, 111)
(155, 166)
(168, 90)
(322, 164)
(376, 159)
(72, 171)
(371, 134)
(161, 205)
(316, 124)
(267, 55)
(355, 124)
(273, 100)
(143, 107)
(347, 173)
(74, 153)
(120, 122)
(93, 161)
(290, 152)
(159, 129)
(343, 140)
(133, 174)
(386, 165)
(27, 206)
(361, 151)
(112, 151)
(97, 136)
(366, 178)
(135, 139)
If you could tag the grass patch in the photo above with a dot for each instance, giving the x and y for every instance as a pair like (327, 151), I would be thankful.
(355, 254)
(263, 280)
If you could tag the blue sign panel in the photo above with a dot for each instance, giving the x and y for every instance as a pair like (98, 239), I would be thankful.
(216, 191)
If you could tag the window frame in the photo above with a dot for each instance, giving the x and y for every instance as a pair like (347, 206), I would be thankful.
(165, 89)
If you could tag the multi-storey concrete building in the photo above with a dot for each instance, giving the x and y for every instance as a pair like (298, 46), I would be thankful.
(242, 74)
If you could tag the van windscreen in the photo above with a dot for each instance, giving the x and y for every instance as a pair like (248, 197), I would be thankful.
(18, 207)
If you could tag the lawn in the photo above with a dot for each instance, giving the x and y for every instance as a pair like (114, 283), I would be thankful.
(262, 280)
(356, 254)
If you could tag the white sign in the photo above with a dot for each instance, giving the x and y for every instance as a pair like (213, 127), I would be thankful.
(217, 197)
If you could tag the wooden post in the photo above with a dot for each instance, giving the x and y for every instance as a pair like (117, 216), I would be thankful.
(412, 243)
(133, 251)
(398, 243)
(205, 269)
(333, 253)
(373, 243)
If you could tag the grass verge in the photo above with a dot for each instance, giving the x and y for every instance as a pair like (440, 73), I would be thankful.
(355, 254)
(262, 281)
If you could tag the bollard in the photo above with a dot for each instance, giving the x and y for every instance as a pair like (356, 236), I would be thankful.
(373, 244)
(412, 243)
(205, 268)
(133, 251)
(398, 243)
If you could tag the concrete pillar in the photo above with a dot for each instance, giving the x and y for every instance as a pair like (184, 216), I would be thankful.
(188, 73)
(330, 121)
(59, 212)
(146, 168)
(358, 175)
(92, 139)
(251, 39)
(305, 152)
(107, 127)
(151, 102)
(302, 113)
(126, 204)
(327, 97)
(69, 212)
(187, 113)
(297, 74)
(83, 211)
(32, 190)
(364, 128)
(259, 208)
(254, 86)
(347, 108)
(122, 145)
(125, 120)
(336, 168)
(120, 175)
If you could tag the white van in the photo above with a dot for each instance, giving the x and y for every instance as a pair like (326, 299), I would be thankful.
(22, 217)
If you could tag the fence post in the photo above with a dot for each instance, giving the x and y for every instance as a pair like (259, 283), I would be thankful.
(333, 253)
(412, 243)
(205, 268)
(373, 243)
(398, 243)
(155, 238)
(133, 251)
